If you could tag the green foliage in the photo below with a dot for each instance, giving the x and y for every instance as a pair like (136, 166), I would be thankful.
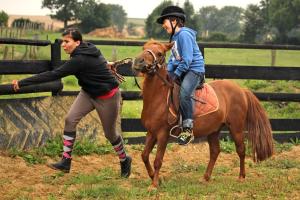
(227, 145)
(229, 20)
(253, 23)
(256, 85)
(295, 141)
(191, 19)
(280, 164)
(131, 28)
(118, 16)
(282, 109)
(64, 10)
(87, 146)
(184, 167)
(280, 147)
(208, 18)
(93, 15)
(29, 157)
(3, 18)
(284, 16)
(215, 24)
(137, 147)
(53, 147)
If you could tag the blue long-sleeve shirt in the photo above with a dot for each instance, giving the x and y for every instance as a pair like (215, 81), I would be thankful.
(185, 54)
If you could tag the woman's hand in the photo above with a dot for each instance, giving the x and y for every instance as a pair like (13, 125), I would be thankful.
(111, 66)
(15, 84)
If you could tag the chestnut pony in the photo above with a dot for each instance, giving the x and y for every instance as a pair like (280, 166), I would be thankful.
(239, 110)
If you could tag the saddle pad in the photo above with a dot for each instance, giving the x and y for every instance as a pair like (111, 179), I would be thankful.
(206, 101)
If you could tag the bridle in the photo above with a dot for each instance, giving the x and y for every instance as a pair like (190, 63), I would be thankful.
(152, 68)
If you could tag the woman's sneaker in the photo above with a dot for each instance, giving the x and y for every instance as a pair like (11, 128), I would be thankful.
(126, 167)
(185, 137)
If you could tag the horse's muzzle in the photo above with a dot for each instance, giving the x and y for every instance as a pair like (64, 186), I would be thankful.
(139, 65)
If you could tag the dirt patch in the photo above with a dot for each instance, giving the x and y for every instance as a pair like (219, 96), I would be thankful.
(17, 178)
(108, 32)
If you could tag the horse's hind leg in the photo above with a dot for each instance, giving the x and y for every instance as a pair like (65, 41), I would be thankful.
(149, 144)
(238, 138)
(214, 151)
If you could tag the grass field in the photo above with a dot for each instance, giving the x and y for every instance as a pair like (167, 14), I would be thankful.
(95, 174)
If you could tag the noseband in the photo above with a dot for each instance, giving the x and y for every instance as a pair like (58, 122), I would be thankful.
(152, 69)
(155, 65)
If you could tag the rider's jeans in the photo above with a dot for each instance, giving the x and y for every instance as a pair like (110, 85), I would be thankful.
(188, 86)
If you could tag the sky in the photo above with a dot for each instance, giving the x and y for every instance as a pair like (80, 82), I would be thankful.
(133, 8)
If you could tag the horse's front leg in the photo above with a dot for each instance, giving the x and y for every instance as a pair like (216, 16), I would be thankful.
(149, 144)
(162, 140)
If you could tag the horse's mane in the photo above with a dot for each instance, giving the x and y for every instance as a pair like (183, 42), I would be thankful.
(152, 43)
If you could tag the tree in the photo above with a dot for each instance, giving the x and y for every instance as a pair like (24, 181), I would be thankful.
(189, 14)
(283, 15)
(118, 16)
(229, 18)
(208, 19)
(3, 18)
(152, 28)
(253, 23)
(93, 15)
(191, 17)
(64, 10)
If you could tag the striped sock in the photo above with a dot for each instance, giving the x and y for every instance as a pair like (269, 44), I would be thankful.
(119, 148)
(69, 139)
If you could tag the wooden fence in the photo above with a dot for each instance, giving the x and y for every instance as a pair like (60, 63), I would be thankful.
(290, 126)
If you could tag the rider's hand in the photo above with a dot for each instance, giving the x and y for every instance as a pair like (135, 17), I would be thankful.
(175, 78)
(15, 84)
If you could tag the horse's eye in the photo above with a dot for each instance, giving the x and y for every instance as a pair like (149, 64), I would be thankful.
(159, 54)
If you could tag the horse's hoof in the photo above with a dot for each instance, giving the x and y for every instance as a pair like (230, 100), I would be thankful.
(241, 179)
(152, 188)
(206, 178)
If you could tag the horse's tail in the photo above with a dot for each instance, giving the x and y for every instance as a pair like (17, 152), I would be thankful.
(259, 129)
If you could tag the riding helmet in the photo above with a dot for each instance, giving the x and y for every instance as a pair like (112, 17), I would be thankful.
(171, 11)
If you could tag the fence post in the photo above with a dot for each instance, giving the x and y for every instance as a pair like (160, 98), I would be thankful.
(55, 59)
(202, 50)
(273, 57)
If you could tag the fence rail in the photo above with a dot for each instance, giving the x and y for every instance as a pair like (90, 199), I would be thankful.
(212, 71)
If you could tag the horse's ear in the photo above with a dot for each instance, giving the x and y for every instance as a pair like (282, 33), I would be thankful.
(169, 45)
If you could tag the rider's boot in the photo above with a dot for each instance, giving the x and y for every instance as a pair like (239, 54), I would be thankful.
(187, 135)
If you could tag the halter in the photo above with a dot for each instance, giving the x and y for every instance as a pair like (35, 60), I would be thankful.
(153, 68)
(155, 65)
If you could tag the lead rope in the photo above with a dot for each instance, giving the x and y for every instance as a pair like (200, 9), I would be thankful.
(117, 64)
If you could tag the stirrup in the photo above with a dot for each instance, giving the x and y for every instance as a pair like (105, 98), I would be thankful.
(173, 129)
